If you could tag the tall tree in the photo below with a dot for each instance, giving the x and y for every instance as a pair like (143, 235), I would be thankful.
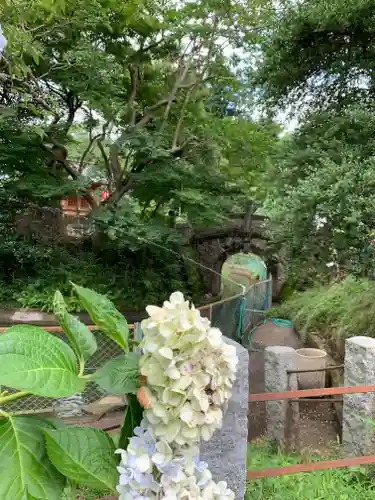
(134, 78)
(320, 53)
(318, 65)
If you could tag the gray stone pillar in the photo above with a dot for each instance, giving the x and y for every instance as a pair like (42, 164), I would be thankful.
(226, 452)
(357, 430)
(282, 416)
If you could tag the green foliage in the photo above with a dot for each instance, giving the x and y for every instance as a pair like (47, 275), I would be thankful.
(26, 469)
(317, 65)
(84, 455)
(38, 455)
(104, 314)
(79, 336)
(320, 53)
(154, 84)
(119, 375)
(87, 494)
(330, 484)
(132, 419)
(130, 279)
(34, 361)
(336, 311)
(323, 191)
(137, 99)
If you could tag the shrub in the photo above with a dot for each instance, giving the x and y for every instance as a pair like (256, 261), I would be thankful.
(131, 280)
(342, 309)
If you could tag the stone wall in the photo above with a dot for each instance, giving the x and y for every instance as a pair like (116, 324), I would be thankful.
(226, 451)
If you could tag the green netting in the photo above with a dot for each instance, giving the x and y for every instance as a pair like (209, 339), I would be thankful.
(107, 349)
(258, 301)
(235, 316)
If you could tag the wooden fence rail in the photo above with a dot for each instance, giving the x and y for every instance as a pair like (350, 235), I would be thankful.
(295, 469)
(310, 393)
(56, 329)
(316, 466)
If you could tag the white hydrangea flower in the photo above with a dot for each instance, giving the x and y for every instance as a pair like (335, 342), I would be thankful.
(189, 371)
(3, 40)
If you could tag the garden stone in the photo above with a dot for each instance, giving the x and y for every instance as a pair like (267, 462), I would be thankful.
(357, 428)
(277, 361)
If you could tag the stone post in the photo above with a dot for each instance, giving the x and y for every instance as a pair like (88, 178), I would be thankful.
(282, 416)
(357, 430)
(226, 452)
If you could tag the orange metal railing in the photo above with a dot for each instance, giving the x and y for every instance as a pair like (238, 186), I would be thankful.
(309, 467)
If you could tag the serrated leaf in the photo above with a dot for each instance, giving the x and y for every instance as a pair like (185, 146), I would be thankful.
(35, 361)
(119, 375)
(84, 455)
(79, 336)
(132, 419)
(26, 471)
(105, 315)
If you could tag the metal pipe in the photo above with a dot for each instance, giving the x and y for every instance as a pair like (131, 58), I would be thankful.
(317, 400)
(326, 369)
(307, 393)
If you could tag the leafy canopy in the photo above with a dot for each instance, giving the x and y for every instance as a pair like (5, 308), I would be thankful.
(136, 97)
(318, 64)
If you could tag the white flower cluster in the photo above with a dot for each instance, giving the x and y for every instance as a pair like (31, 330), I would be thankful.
(189, 371)
(154, 469)
(3, 40)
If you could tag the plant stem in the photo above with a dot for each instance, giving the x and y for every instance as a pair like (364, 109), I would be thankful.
(72, 490)
(13, 397)
(81, 368)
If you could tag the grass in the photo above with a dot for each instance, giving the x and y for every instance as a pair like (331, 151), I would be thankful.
(336, 484)
(339, 310)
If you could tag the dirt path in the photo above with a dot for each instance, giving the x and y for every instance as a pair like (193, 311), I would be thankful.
(318, 428)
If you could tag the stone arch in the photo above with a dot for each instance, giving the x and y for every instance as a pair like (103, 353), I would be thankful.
(213, 253)
(271, 263)
(242, 234)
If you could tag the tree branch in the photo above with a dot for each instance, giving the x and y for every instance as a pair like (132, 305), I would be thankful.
(68, 167)
(114, 164)
(29, 88)
(86, 152)
(91, 142)
(149, 113)
(106, 160)
(172, 96)
(73, 105)
(133, 80)
(116, 196)
(181, 118)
